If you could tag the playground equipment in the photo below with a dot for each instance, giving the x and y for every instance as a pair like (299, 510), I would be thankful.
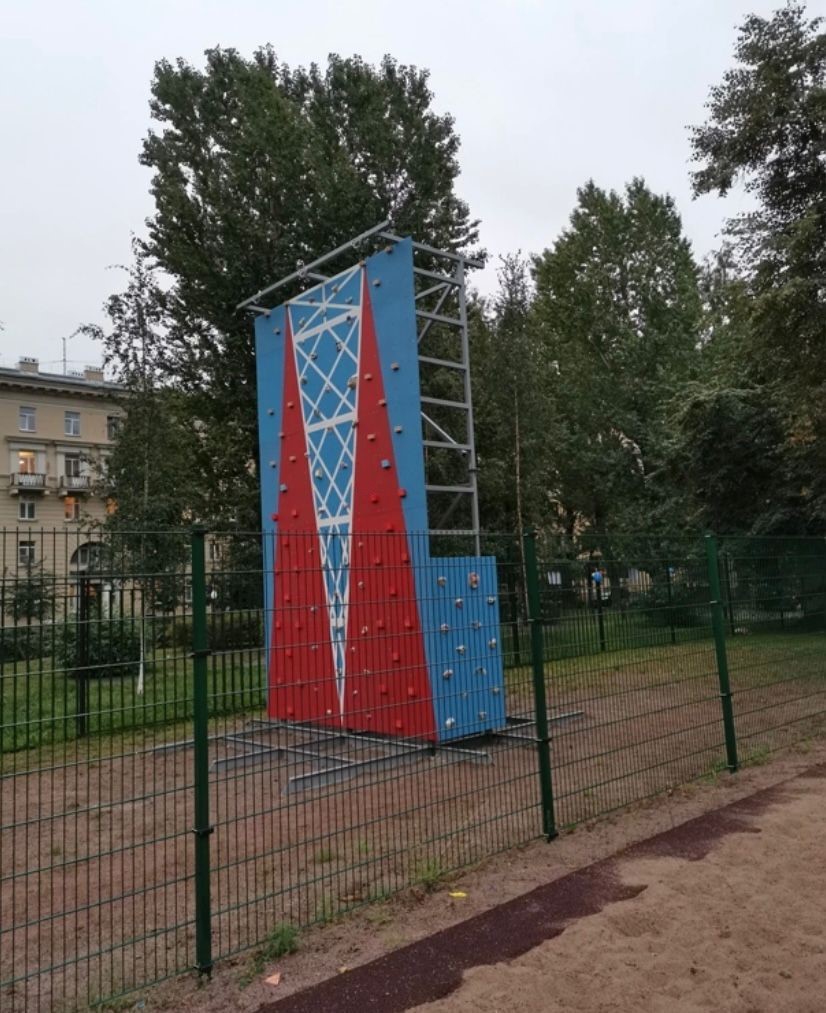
(367, 467)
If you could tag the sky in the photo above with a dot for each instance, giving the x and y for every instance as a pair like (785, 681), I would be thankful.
(545, 94)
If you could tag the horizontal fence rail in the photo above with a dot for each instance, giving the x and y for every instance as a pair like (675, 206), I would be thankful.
(206, 740)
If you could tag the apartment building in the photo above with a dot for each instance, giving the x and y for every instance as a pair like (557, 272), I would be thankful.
(56, 430)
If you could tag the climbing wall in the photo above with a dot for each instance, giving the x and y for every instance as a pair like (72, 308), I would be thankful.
(365, 630)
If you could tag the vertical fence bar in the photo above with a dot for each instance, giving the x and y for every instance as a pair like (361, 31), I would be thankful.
(202, 828)
(543, 739)
(82, 658)
(670, 603)
(718, 623)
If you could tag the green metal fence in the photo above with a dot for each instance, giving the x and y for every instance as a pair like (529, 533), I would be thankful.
(154, 820)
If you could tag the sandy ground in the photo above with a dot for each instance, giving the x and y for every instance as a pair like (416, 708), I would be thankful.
(632, 949)
(741, 929)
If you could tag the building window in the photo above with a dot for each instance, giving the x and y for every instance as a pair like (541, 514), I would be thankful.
(71, 423)
(27, 509)
(112, 426)
(28, 420)
(71, 465)
(26, 462)
(25, 553)
(71, 508)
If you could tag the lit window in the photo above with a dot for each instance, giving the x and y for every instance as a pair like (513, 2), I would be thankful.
(28, 420)
(112, 426)
(71, 508)
(26, 462)
(27, 509)
(25, 553)
(71, 423)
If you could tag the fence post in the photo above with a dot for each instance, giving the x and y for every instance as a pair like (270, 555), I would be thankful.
(543, 739)
(82, 658)
(670, 603)
(718, 624)
(202, 828)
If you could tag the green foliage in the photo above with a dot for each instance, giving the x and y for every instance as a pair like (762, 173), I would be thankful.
(29, 595)
(618, 312)
(113, 649)
(237, 630)
(280, 942)
(257, 167)
(765, 130)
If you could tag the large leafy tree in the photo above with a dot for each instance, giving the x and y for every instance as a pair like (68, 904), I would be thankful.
(151, 477)
(258, 168)
(618, 311)
(512, 409)
(766, 130)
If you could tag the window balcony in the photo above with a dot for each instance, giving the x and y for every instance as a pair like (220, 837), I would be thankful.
(27, 481)
(73, 484)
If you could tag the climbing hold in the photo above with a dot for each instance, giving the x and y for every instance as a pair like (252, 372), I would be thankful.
(385, 463)
(397, 429)
(441, 581)
(492, 642)
(448, 672)
(473, 580)
(402, 493)
(283, 487)
(491, 600)
(444, 628)
(394, 366)
(460, 649)
(450, 723)
(458, 603)
(270, 411)
(371, 437)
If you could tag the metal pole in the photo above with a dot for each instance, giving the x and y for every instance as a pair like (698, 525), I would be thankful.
(543, 739)
(718, 623)
(203, 827)
(471, 439)
(670, 604)
(304, 271)
(82, 658)
(596, 587)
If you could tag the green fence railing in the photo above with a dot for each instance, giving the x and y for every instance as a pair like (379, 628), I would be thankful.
(154, 819)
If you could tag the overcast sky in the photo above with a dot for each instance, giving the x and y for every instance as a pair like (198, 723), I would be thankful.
(544, 94)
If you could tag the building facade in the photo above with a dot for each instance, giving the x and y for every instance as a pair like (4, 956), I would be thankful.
(56, 431)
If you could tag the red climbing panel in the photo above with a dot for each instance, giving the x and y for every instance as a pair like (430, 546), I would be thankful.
(302, 671)
(387, 685)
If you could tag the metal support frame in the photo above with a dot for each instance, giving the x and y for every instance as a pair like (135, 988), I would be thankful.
(442, 332)
(354, 754)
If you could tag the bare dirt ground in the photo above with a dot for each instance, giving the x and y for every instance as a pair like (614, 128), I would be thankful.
(741, 929)
(96, 854)
(743, 923)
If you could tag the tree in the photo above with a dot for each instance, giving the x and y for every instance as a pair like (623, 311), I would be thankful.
(767, 130)
(151, 477)
(30, 595)
(257, 168)
(511, 406)
(618, 311)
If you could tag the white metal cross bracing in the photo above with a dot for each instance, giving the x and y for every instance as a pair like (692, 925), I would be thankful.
(326, 328)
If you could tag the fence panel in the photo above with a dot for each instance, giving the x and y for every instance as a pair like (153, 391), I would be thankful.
(95, 812)
(300, 835)
(631, 675)
(299, 821)
(775, 598)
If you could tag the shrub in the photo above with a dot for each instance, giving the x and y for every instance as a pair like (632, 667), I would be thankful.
(686, 605)
(113, 649)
